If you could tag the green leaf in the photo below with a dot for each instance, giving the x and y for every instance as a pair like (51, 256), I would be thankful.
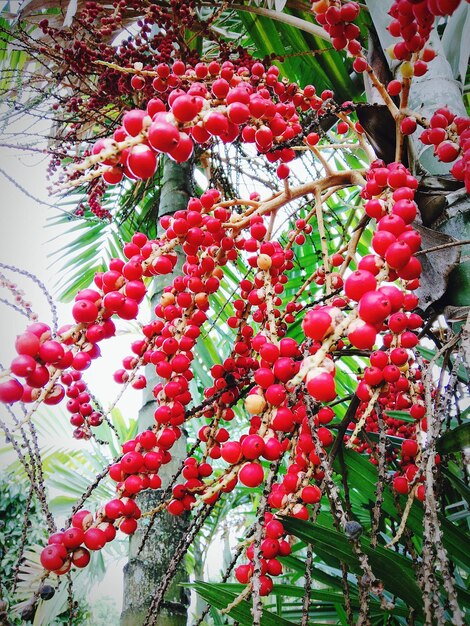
(362, 475)
(454, 440)
(404, 416)
(458, 288)
(395, 571)
(216, 595)
(459, 485)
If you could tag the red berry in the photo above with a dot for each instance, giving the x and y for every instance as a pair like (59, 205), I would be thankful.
(447, 151)
(317, 324)
(362, 335)
(252, 447)
(95, 539)
(142, 161)
(350, 11)
(394, 87)
(411, 270)
(275, 394)
(73, 538)
(381, 241)
(358, 283)
(360, 64)
(11, 391)
(243, 573)
(163, 136)
(266, 585)
(128, 526)
(114, 509)
(373, 376)
(251, 474)
(374, 307)
(406, 209)
(392, 223)
(283, 171)
(312, 139)
(186, 107)
(398, 255)
(23, 365)
(80, 557)
(409, 447)
(408, 125)
(401, 485)
(391, 373)
(84, 311)
(53, 556)
(133, 120)
(27, 344)
(311, 494)
(322, 386)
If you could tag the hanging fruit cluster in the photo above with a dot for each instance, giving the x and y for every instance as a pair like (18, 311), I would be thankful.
(283, 371)
(286, 385)
(204, 103)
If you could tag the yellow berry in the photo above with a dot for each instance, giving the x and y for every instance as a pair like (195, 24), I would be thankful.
(406, 69)
(255, 404)
(264, 262)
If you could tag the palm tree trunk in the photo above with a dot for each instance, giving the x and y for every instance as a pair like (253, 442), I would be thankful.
(147, 565)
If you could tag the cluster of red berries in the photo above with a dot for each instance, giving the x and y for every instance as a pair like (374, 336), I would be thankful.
(395, 240)
(41, 358)
(293, 495)
(38, 355)
(409, 473)
(208, 101)
(88, 533)
(271, 261)
(156, 40)
(393, 371)
(282, 377)
(184, 494)
(337, 19)
(273, 544)
(412, 22)
(216, 101)
(142, 458)
(445, 130)
(84, 416)
(203, 232)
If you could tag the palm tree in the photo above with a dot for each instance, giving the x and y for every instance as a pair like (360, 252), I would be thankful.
(290, 32)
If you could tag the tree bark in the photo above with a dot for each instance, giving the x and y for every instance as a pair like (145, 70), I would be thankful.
(148, 564)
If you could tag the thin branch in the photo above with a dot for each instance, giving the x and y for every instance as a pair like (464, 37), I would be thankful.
(443, 246)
